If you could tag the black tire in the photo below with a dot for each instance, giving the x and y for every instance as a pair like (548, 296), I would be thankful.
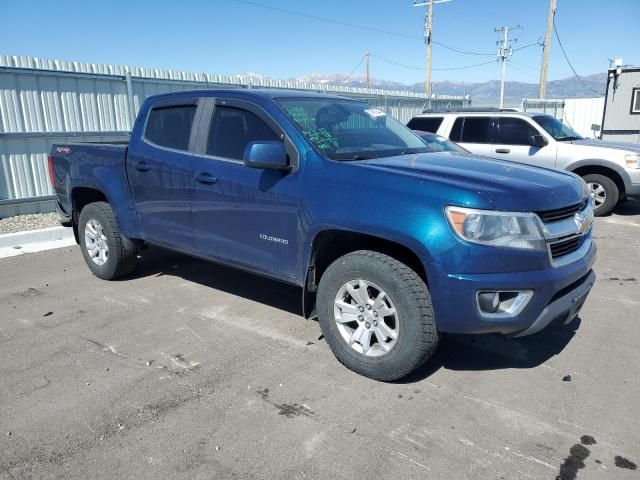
(417, 333)
(122, 252)
(612, 194)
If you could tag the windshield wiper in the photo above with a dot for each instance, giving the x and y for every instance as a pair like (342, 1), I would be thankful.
(565, 139)
(356, 157)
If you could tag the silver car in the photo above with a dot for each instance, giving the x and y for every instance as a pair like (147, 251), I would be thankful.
(612, 170)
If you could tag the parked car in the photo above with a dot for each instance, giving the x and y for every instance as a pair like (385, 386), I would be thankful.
(439, 144)
(391, 245)
(612, 170)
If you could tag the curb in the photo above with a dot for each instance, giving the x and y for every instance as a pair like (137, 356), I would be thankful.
(20, 243)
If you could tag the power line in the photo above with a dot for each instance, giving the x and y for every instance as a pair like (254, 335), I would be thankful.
(353, 25)
(414, 67)
(527, 46)
(555, 29)
(393, 62)
(466, 66)
(329, 20)
(354, 70)
(462, 51)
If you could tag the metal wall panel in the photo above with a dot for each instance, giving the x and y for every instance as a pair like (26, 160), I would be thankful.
(581, 113)
(44, 101)
(619, 123)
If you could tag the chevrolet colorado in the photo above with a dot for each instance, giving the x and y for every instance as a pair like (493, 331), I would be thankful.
(391, 243)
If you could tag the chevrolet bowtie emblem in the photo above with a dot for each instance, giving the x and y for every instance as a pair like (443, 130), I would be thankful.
(581, 222)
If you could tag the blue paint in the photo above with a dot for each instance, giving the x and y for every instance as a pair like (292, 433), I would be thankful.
(266, 220)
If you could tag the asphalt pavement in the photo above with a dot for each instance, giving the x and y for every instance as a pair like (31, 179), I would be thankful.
(191, 370)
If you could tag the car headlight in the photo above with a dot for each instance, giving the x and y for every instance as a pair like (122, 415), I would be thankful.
(632, 160)
(520, 230)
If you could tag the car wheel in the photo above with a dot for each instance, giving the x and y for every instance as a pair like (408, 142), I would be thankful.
(604, 191)
(376, 315)
(106, 251)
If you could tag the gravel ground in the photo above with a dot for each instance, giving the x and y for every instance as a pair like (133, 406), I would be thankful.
(22, 223)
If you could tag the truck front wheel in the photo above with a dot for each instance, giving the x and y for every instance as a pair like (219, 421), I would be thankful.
(375, 313)
(107, 252)
(604, 191)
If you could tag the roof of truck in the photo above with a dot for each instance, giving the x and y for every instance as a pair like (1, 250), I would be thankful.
(265, 93)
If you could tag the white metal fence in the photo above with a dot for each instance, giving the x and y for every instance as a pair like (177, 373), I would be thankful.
(579, 113)
(44, 101)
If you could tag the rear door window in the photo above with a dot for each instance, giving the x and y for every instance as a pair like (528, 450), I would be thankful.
(514, 131)
(475, 130)
(425, 124)
(170, 126)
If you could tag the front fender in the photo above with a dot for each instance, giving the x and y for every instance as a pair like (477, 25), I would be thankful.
(590, 162)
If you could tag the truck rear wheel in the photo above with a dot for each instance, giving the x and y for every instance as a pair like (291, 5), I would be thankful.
(604, 191)
(375, 313)
(108, 253)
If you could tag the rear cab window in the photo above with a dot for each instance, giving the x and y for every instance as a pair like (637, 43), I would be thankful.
(472, 129)
(170, 126)
(425, 124)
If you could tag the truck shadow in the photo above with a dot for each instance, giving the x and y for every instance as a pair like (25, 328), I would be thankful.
(455, 352)
(158, 262)
(496, 352)
(628, 208)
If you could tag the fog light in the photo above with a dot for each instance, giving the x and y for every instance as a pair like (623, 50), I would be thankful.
(507, 303)
(489, 301)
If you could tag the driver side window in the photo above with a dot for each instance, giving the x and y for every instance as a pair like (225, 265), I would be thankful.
(232, 129)
(515, 131)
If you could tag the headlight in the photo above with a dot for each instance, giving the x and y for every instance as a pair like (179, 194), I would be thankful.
(501, 229)
(633, 160)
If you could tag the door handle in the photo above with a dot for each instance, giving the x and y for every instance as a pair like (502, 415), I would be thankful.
(502, 150)
(142, 166)
(206, 178)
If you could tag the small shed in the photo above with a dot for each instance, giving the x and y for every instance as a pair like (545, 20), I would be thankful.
(621, 117)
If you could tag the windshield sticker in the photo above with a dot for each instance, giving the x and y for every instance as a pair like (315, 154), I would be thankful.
(375, 113)
(320, 137)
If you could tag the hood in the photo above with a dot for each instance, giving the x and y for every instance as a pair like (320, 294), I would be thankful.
(507, 185)
(628, 147)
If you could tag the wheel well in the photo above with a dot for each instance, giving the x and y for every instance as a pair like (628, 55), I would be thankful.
(606, 171)
(330, 245)
(81, 197)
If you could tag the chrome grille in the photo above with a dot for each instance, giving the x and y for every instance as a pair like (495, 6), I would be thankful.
(566, 246)
(558, 214)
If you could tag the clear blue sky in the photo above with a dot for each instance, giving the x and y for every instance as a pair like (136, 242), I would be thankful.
(229, 36)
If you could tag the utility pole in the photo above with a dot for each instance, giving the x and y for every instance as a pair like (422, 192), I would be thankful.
(428, 27)
(547, 48)
(504, 52)
(367, 77)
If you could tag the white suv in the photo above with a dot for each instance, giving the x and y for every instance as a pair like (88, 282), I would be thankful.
(612, 170)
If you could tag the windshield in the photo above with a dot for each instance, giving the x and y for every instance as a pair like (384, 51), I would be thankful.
(440, 144)
(556, 128)
(350, 130)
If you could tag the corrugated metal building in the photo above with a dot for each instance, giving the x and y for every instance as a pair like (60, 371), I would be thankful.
(578, 113)
(45, 101)
(621, 119)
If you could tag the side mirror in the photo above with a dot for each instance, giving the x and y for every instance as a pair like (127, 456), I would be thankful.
(537, 141)
(268, 155)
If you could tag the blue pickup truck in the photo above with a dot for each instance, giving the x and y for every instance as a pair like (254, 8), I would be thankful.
(391, 243)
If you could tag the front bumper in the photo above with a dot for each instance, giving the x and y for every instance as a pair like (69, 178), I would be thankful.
(556, 291)
(632, 187)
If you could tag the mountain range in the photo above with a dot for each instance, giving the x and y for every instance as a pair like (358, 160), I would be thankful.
(482, 93)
